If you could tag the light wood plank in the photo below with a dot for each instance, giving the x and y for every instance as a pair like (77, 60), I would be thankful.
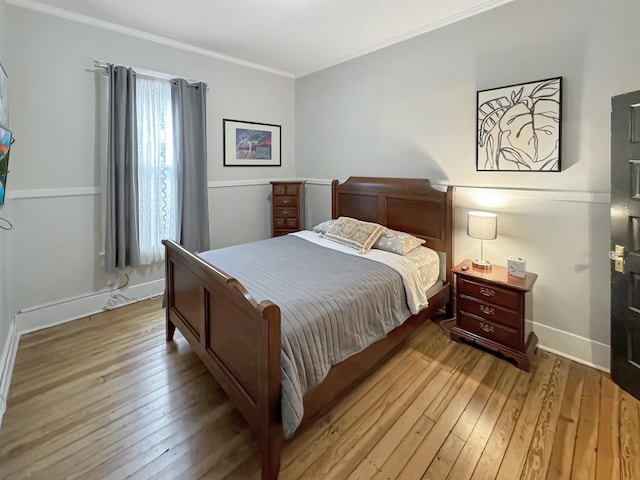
(494, 452)
(401, 429)
(561, 459)
(468, 458)
(394, 464)
(537, 461)
(420, 460)
(584, 455)
(629, 440)
(516, 453)
(608, 453)
(334, 452)
(445, 458)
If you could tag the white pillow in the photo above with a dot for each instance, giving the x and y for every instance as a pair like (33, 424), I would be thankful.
(324, 226)
(355, 233)
(398, 242)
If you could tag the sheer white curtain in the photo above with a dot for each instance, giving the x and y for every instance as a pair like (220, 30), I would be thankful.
(157, 173)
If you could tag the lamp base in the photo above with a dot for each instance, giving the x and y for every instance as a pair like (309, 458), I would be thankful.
(481, 264)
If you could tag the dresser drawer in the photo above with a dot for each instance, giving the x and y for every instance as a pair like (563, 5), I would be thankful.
(494, 313)
(284, 201)
(292, 223)
(288, 223)
(292, 190)
(491, 294)
(285, 212)
(279, 190)
(507, 336)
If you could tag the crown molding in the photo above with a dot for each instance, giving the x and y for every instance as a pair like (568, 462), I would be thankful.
(132, 32)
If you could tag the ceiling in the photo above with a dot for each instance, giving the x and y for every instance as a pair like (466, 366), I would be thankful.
(292, 37)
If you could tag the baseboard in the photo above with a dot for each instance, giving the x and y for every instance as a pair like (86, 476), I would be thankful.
(44, 316)
(7, 361)
(571, 346)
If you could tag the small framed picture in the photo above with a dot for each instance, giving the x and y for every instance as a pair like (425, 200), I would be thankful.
(251, 144)
(519, 127)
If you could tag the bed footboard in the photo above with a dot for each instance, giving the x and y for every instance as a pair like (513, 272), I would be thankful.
(237, 339)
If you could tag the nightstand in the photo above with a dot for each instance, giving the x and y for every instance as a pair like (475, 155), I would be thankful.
(490, 306)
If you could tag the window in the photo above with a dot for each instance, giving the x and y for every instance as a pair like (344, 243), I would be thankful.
(157, 172)
(148, 178)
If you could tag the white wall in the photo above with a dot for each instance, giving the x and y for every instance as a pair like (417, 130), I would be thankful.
(6, 337)
(56, 241)
(409, 110)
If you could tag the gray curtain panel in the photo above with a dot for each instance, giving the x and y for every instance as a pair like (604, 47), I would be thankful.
(190, 144)
(121, 242)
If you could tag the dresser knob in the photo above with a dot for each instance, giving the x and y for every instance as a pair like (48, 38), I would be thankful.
(487, 310)
(487, 292)
(486, 328)
(285, 212)
(285, 201)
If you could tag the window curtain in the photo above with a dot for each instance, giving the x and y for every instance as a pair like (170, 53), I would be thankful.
(121, 229)
(157, 178)
(190, 146)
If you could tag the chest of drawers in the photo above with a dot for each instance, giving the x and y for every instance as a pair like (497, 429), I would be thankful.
(287, 207)
(490, 311)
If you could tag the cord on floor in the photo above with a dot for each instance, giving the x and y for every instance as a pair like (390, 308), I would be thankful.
(446, 324)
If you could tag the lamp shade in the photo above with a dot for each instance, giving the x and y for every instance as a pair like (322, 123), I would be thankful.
(482, 225)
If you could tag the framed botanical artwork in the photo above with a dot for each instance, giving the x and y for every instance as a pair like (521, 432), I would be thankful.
(519, 127)
(250, 144)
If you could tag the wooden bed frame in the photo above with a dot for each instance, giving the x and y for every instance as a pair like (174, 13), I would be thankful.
(238, 339)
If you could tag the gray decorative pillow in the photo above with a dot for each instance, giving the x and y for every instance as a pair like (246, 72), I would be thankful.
(398, 242)
(324, 226)
(355, 233)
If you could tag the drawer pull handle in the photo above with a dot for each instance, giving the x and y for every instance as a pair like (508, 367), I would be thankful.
(487, 292)
(486, 328)
(285, 212)
(285, 201)
(487, 310)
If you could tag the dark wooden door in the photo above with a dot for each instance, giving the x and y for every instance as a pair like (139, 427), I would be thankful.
(625, 234)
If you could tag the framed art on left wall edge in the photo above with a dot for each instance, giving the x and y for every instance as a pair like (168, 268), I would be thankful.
(251, 144)
(4, 98)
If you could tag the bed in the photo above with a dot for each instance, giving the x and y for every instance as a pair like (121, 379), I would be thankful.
(239, 339)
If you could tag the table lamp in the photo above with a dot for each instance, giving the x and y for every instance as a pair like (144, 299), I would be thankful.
(484, 226)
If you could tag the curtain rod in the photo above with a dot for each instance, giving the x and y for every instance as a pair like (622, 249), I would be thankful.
(145, 72)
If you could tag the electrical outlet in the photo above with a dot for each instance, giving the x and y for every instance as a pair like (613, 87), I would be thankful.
(111, 303)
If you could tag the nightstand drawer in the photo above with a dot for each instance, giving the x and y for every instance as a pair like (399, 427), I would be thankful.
(490, 293)
(279, 190)
(285, 201)
(285, 212)
(494, 313)
(484, 328)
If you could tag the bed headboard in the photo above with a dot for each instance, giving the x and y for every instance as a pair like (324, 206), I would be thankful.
(410, 205)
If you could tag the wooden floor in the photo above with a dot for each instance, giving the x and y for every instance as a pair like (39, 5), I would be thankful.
(105, 397)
